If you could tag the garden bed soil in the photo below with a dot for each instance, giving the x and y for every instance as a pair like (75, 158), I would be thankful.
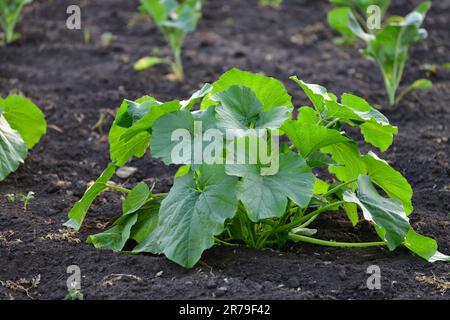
(75, 82)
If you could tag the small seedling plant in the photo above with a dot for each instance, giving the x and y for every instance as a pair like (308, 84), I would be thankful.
(9, 16)
(22, 124)
(234, 203)
(175, 20)
(270, 3)
(387, 46)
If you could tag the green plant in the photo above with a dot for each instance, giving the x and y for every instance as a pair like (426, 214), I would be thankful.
(270, 3)
(338, 18)
(74, 294)
(9, 16)
(22, 125)
(389, 46)
(26, 198)
(230, 203)
(175, 20)
(10, 197)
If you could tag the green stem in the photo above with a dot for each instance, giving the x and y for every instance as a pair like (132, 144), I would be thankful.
(297, 237)
(331, 123)
(225, 243)
(339, 186)
(177, 65)
(308, 216)
(157, 195)
(117, 188)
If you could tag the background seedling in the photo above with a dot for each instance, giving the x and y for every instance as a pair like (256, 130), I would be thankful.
(26, 198)
(235, 204)
(73, 293)
(9, 16)
(270, 3)
(338, 17)
(10, 197)
(388, 46)
(175, 20)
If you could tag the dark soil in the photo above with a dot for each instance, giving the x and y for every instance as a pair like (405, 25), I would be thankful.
(75, 82)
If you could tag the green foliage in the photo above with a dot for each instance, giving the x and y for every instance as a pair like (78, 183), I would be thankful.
(26, 198)
(232, 203)
(22, 124)
(270, 3)
(74, 294)
(9, 16)
(175, 20)
(388, 46)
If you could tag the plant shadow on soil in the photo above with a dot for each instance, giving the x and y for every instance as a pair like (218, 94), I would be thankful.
(75, 82)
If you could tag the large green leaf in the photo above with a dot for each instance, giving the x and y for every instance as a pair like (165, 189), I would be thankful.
(131, 131)
(266, 196)
(388, 215)
(308, 138)
(165, 145)
(353, 110)
(80, 209)
(350, 163)
(424, 247)
(136, 198)
(115, 237)
(147, 220)
(25, 117)
(269, 91)
(192, 214)
(375, 128)
(13, 149)
(195, 97)
(239, 110)
(139, 218)
(317, 94)
(390, 180)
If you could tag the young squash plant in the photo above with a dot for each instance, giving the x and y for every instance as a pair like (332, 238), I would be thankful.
(232, 203)
(175, 20)
(9, 16)
(22, 124)
(388, 46)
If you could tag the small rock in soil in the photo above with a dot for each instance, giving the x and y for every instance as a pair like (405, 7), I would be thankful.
(221, 291)
(293, 282)
(342, 274)
(211, 283)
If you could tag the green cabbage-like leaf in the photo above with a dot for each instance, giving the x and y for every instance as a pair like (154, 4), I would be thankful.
(131, 131)
(13, 149)
(390, 180)
(194, 124)
(308, 137)
(192, 214)
(424, 247)
(24, 117)
(115, 237)
(266, 196)
(388, 215)
(269, 91)
(240, 110)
